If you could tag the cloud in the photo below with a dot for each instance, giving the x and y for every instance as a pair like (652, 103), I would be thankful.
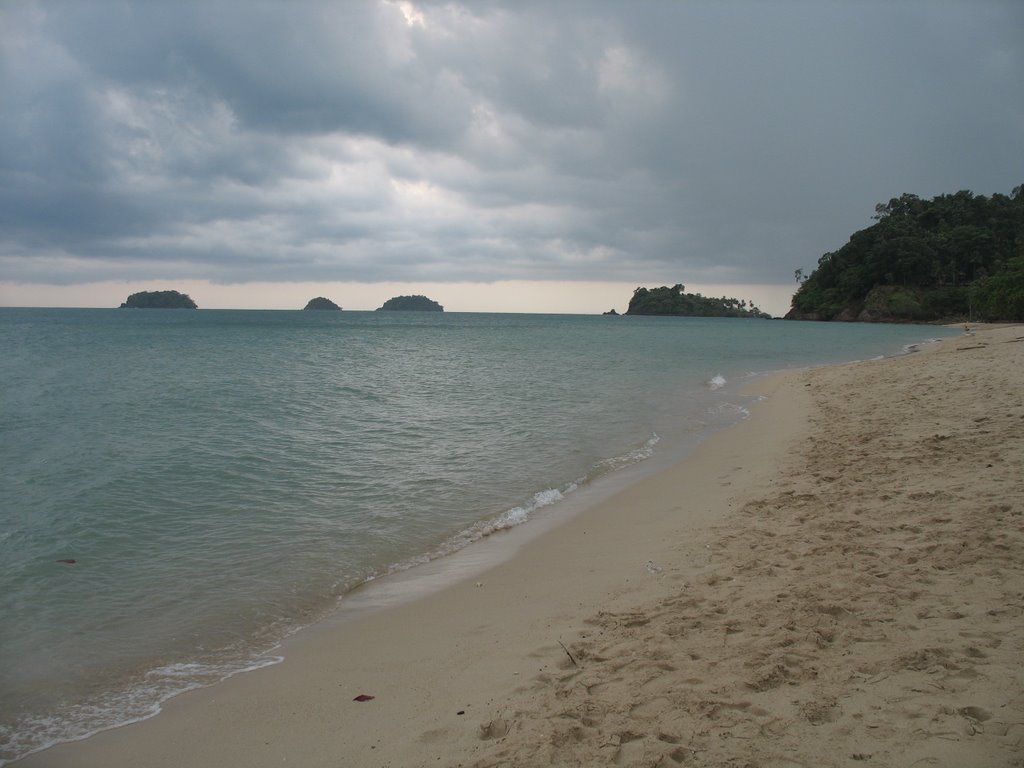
(475, 142)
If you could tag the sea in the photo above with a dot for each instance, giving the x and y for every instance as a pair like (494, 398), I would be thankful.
(182, 490)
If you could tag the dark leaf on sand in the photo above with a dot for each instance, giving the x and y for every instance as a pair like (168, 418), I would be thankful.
(363, 697)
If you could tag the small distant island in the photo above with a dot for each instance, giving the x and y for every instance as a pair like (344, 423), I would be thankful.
(159, 300)
(411, 304)
(321, 303)
(675, 301)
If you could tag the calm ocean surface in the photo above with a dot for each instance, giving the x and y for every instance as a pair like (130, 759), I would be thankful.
(221, 478)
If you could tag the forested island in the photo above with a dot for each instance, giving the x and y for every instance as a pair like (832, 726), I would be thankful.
(952, 258)
(411, 304)
(321, 303)
(675, 301)
(159, 300)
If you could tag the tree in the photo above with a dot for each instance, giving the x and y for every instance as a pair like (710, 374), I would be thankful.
(674, 301)
(933, 250)
(1001, 297)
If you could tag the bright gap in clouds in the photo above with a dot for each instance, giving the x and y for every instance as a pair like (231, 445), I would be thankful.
(413, 16)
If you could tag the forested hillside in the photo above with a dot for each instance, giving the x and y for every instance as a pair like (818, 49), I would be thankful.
(675, 301)
(415, 303)
(159, 300)
(953, 257)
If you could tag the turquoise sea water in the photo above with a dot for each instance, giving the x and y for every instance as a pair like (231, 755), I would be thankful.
(221, 478)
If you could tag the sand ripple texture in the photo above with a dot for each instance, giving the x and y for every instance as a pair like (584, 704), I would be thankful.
(868, 610)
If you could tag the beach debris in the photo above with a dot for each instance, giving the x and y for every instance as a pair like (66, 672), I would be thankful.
(68, 561)
(364, 697)
(652, 568)
(568, 654)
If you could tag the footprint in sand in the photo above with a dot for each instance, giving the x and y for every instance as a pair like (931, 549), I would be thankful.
(975, 713)
(494, 729)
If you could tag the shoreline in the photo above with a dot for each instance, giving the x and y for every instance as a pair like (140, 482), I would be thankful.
(511, 667)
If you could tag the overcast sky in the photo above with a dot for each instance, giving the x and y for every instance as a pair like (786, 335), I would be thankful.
(255, 151)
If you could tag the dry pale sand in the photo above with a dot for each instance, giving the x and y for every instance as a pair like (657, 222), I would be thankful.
(837, 581)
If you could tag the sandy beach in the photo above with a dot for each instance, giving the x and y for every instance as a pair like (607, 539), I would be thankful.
(838, 580)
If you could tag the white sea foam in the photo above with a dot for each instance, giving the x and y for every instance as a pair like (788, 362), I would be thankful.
(507, 519)
(522, 513)
(630, 457)
(916, 347)
(198, 671)
(115, 709)
(716, 382)
(729, 412)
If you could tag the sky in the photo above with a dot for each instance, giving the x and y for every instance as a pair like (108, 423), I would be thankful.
(495, 155)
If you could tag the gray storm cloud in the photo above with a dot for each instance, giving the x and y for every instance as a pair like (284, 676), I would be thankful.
(369, 141)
